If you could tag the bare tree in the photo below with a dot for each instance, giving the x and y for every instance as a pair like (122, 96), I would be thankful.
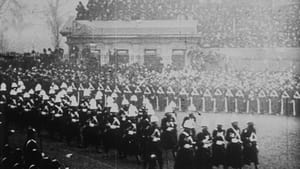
(54, 21)
(11, 15)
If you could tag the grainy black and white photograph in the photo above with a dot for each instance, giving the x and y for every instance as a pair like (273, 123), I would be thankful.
(149, 84)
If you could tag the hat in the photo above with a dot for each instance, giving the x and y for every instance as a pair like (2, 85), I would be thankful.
(42, 93)
(45, 97)
(69, 89)
(55, 87)
(74, 103)
(14, 85)
(189, 124)
(13, 92)
(114, 108)
(93, 104)
(19, 90)
(125, 101)
(63, 86)
(38, 87)
(26, 95)
(192, 107)
(114, 95)
(57, 99)
(133, 98)
(99, 95)
(172, 104)
(51, 91)
(145, 101)
(154, 119)
(3, 87)
(31, 91)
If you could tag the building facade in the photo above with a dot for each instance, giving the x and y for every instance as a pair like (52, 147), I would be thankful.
(144, 42)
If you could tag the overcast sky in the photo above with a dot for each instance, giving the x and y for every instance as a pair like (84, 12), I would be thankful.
(34, 32)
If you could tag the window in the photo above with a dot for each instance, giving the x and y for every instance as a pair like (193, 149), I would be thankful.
(150, 52)
(122, 52)
(178, 52)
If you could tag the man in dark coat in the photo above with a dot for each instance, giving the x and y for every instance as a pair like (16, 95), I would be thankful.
(234, 147)
(203, 151)
(218, 146)
(185, 155)
(250, 151)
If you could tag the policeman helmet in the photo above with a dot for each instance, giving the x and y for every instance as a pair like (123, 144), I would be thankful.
(63, 86)
(93, 104)
(133, 98)
(19, 90)
(45, 97)
(125, 101)
(114, 95)
(51, 91)
(192, 108)
(26, 95)
(13, 92)
(3, 87)
(14, 85)
(69, 89)
(31, 92)
(188, 124)
(38, 87)
(99, 95)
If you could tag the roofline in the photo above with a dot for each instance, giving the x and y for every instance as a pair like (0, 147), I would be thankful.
(114, 36)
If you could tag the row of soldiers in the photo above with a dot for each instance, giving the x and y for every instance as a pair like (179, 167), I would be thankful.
(218, 100)
(132, 131)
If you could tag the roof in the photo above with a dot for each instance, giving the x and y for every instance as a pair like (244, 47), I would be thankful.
(138, 27)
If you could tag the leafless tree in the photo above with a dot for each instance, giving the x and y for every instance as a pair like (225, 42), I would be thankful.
(54, 21)
(11, 15)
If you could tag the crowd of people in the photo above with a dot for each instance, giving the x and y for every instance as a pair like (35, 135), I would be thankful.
(226, 24)
(100, 121)
(210, 91)
(115, 108)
